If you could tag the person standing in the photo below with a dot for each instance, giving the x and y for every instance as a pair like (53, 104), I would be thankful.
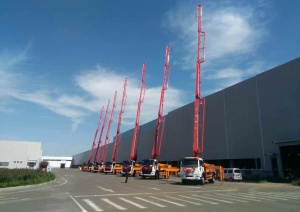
(126, 179)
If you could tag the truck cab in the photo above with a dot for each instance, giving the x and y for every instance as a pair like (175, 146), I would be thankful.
(192, 169)
(109, 167)
(149, 168)
(127, 165)
(97, 167)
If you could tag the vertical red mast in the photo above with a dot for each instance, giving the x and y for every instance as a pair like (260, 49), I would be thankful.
(101, 133)
(118, 135)
(161, 118)
(198, 100)
(134, 144)
(104, 149)
(95, 136)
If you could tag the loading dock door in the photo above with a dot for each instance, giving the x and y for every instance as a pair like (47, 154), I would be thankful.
(290, 156)
(62, 165)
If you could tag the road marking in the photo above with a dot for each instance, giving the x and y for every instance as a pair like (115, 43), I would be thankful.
(3, 198)
(14, 200)
(133, 203)
(252, 196)
(113, 204)
(92, 205)
(202, 196)
(184, 200)
(77, 203)
(175, 203)
(239, 197)
(279, 195)
(266, 197)
(214, 203)
(154, 203)
(105, 189)
(226, 197)
(142, 193)
(150, 188)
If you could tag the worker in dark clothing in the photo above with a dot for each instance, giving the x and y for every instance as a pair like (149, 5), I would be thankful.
(126, 175)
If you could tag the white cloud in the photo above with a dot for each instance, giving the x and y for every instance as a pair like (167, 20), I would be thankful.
(96, 87)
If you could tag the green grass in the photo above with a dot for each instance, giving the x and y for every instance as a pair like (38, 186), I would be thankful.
(257, 179)
(296, 182)
(19, 177)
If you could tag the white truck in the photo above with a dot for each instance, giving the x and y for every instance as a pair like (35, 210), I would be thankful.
(149, 168)
(193, 169)
(109, 167)
(131, 167)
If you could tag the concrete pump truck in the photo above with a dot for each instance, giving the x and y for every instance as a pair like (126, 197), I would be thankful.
(151, 167)
(111, 166)
(97, 165)
(105, 147)
(193, 168)
(131, 166)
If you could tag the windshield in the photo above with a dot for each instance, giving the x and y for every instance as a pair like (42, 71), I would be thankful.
(147, 162)
(108, 163)
(237, 171)
(189, 163)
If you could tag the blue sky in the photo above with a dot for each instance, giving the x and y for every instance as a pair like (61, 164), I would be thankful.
(60, 61)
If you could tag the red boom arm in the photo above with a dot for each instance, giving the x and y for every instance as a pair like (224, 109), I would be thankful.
(133, 153)
(101, 133)
(104, 149)
(160, 118)
(198, 100)
(118, 135)
(95, 136)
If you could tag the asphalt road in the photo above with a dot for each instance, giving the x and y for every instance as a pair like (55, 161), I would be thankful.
(74, 190)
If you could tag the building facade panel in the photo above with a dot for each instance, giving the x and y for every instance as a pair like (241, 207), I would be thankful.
(279, 101)
(242, 120)
(20, 154)
(215, 140)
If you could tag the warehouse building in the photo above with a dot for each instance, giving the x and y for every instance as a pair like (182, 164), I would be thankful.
(58, 161)
(20, 154)
(253, 125)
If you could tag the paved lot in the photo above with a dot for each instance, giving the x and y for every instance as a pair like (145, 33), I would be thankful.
(74, 190)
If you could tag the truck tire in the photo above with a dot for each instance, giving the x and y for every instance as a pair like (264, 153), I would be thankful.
(183, 182)
(212, 180)
(157, 175)
(201, 182)
(133, 175)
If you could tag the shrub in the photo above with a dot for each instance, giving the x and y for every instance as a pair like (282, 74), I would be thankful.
(296, 182)
(18, 177)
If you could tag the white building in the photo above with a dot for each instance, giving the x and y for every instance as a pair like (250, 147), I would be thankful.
(58, 162)
(20, 154)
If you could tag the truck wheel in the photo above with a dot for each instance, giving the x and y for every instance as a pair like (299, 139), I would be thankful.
(143, 177)
(201, 182)
(212, 180)
(156, 175)
(133, 175)
(183, 182)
